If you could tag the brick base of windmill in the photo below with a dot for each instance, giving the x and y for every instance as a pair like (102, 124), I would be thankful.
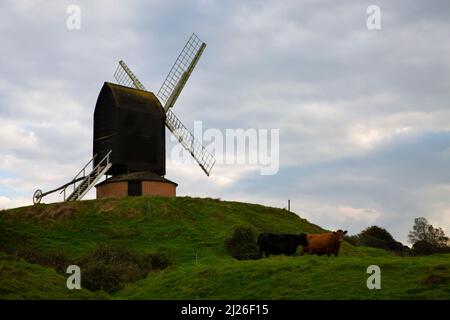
(136, 184)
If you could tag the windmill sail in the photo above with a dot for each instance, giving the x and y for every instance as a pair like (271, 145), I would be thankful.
(180, 71)
(204, 159)
(124, 76)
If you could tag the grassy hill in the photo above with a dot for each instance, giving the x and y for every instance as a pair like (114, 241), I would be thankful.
(190, 232)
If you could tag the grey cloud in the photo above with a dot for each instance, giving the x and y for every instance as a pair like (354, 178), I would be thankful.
(396, 180)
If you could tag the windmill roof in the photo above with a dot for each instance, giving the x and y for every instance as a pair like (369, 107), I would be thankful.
(121, 92)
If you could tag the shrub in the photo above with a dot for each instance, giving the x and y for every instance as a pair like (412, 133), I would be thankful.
(159, 260)
(445, 249)
(153, 261)
(423, 247)
(377, 233)
(377, 237)
(396, 246)
(100, 276)
(371, 241)
(404, 252)
(242, 245)
(353, 240)
(53, 258)
(380, 233)
(108, 268)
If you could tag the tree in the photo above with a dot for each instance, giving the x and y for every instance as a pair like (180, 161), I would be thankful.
(423, 231)
(423, 247)
(379, 233)
(377, 237)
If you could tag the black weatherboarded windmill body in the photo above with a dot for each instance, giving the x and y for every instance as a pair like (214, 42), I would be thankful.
(131, 123)
(129, 135)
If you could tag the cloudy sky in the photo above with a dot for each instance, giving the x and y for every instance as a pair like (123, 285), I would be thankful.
(363, 115)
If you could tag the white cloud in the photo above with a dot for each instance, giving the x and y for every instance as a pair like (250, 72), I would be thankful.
(6, 203)
(368, 216)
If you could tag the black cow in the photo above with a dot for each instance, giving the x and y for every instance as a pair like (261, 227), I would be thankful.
(270, 243)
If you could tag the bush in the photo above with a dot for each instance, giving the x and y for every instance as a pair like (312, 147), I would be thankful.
(159, 260)
(109, 268)
(100, 276)
(379, 233)
(370, 241)
(353, 240)
(396, 246)
(404, 252)
(153, 261)
(53, 258)
(377, 237)
(423, 247)
(242, 245)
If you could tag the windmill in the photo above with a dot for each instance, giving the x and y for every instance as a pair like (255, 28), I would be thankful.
(129, 134)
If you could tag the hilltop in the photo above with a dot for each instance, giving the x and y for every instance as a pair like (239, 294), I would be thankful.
(190, 232)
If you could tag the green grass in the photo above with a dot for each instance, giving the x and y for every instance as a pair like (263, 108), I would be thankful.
(191, 232)
(309, 277)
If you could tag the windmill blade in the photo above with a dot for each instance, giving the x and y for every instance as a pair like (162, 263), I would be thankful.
(204, 159)
(181, 71)
(125, 77)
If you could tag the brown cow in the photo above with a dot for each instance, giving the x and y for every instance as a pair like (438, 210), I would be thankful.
(324, 243)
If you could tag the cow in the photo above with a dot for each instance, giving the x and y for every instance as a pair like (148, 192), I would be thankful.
(324, 243)
(270, 243)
